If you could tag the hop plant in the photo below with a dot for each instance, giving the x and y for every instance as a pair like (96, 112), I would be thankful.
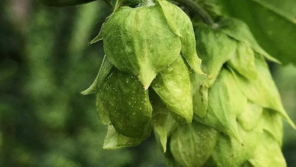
(230, 117)
(150, 53)
(237, 121)
(151, 79)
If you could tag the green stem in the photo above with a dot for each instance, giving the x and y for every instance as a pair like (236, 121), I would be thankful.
(62, 3)
(147, 2)
(193, 6)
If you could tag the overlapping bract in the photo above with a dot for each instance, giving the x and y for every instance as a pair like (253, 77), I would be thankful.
(144, 80)
(238, 111)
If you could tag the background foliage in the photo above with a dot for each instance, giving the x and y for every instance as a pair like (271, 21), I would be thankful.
(45, 62)
(273, 23)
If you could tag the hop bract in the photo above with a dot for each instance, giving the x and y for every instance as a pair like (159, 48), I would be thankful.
(150, 53)
(237, 121)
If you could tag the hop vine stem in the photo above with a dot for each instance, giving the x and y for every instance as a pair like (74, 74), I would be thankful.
(193, 6)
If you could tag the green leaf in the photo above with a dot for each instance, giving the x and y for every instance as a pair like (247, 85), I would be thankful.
(272, 22)
(200, 95)
(162, 120)
(240, 31)
(99, 37)
(114, 140)
(271, 122)
(250, 116)
(243, 62)
(181, 25)
(105, 69)
(169, 159)
(129, 107)
(262, 90)
(192, 145)
(174, 88)
(231, 153)
(129, 42)
(103, 108)
(268, 153)
(226, 102)
(215, 48)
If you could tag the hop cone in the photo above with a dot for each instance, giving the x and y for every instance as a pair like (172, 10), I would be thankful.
(237, 108)
(150, 53)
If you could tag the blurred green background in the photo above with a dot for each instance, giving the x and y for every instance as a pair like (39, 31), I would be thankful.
(45, 61)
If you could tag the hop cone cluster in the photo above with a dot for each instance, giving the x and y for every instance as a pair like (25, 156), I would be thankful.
(151, 79)
(150, 53)
(237, 107)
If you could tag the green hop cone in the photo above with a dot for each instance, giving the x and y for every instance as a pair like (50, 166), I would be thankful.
(237, 108)
(144, 81)
(143, 41)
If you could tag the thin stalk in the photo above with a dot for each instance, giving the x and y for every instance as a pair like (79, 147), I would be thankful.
(147, 2)
(193, 6)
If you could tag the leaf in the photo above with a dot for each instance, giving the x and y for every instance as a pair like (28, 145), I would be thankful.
(262, 90)
(271, 122)
(268, 153)
(103, 108)
(129, 107)
(169, 159)
(231, 153)
(250, 116)
(226, 102)
(200, 95)
(181, 25)
(192, 145)
(162, 120)
(175, 90)
(129, 42)
(215, 48)
(243, 62)
(105, 69)
(272, 22)
(240, 31)
(99, 37)
(114, 140)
